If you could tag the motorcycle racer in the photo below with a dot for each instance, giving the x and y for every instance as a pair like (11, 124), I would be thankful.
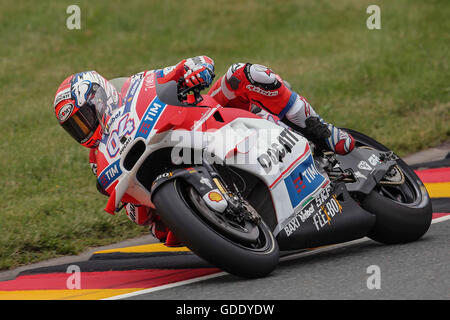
(249, 86)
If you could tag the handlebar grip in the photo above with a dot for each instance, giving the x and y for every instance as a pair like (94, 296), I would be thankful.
(185, 95)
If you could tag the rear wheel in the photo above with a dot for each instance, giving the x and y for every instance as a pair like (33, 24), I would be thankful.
(402, 206)
(241, 247)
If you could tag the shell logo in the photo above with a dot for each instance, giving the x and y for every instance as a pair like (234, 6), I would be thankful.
(215, 196)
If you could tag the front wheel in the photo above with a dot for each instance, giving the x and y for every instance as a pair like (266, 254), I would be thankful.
(247, 249)
(403, 210)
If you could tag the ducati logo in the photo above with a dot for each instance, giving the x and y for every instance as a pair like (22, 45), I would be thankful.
(364, 166)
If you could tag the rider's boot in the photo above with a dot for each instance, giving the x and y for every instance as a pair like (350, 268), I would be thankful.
(326, 136)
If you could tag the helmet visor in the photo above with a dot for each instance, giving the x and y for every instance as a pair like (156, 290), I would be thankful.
(82, 125)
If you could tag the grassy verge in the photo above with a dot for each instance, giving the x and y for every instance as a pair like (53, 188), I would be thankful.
(392, 84)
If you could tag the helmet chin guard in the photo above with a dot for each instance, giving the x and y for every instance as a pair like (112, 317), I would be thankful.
(94, 140)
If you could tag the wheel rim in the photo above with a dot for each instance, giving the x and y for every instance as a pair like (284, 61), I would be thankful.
(405, 193)
(243, 231)
(255, 239)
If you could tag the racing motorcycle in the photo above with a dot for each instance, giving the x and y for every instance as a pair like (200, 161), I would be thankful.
(237, 189)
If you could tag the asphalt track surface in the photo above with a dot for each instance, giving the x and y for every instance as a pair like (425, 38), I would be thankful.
(417, 270)
(409, 271)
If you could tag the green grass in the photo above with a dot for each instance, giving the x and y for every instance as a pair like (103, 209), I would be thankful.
(392, 84)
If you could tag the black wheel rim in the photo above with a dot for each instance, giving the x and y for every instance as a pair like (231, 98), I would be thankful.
(244, 231)
(228, 231)
(404, 193)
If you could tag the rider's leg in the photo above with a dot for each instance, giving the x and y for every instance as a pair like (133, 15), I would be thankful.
(302, 117)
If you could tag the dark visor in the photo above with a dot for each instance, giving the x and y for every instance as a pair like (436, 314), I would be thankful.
(82, 125)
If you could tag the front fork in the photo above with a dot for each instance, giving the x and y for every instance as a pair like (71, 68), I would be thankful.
(236, 202)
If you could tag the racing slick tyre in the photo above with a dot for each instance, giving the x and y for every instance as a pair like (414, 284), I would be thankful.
(403, 211)
(249, 251)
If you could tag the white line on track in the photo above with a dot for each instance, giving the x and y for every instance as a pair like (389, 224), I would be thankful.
(221, 274)
(167, 286)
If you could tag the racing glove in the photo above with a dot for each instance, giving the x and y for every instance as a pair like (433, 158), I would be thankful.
(198, 70)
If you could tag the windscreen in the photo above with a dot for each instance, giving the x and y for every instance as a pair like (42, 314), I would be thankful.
(103, 108)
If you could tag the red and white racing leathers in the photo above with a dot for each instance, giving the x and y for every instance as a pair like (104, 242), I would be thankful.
(258, 89)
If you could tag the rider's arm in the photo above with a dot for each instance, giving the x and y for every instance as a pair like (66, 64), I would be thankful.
(260, 90)
(246, 85)
(181, 68)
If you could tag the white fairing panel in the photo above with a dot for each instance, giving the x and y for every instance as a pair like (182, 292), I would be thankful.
(278, 156)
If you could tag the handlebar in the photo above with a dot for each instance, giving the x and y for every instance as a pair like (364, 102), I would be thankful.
(190, 95)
